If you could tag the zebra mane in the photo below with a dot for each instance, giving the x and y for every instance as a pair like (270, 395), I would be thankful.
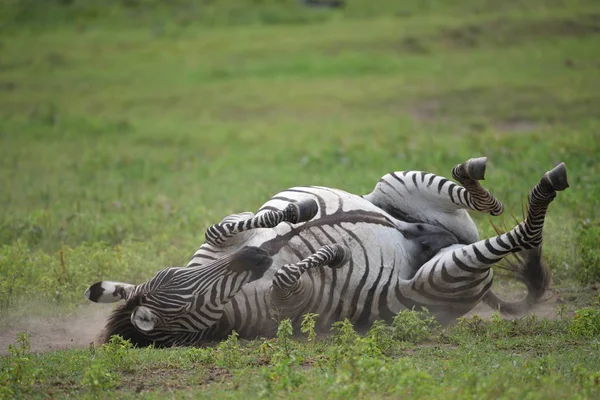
(119, 323)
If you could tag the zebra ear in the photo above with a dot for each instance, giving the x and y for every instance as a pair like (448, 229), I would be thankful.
(144, 319)
(109, 292)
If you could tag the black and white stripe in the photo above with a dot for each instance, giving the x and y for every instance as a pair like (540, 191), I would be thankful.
(293, 213)
(409, 243)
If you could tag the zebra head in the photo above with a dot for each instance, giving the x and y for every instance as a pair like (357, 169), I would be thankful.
(178, 304)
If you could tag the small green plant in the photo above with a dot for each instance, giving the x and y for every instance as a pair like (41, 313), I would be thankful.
(265, 351)
(285, 331)
(588, 267)
(344, 333)
(344, 338)
(117, 353)
(282, 374)
(357, 373)
(360, 366)
(561, 311)
(351, 351)
(22, 347)
(533, 325)
(468, 327)
(109, 361)
(197, 355)
(588, 380)
(21, 374)
(498, 326)
(388, 378)
(413, 326)
(227, 354)
(97, 378)
(380, 335)
(586, 323)
(308, 325)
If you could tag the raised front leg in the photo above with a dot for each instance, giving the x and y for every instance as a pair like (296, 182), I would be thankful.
(287, 290)
(459, 277)
(218, 234)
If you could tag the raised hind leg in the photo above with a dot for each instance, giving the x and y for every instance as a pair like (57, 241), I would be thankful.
(288, 291)
(456, 280)
(468, 174)
(415, 196)
(219, 234)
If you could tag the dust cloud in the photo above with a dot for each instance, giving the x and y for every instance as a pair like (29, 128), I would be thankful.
(55, 330)
(545, 308)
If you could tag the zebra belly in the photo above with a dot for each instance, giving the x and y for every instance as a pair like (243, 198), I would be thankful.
(362, 290)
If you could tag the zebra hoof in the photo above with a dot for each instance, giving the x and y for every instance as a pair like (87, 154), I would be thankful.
(342, 255)
(557, 177)
(476, 168)
(301, 211)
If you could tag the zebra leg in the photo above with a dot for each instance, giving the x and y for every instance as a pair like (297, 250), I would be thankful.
(408, 192)
(415, 196)
(468, 174)
(287, 290)
(302, 211)
(458, 278)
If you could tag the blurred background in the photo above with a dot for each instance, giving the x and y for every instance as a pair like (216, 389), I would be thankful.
(127, 127)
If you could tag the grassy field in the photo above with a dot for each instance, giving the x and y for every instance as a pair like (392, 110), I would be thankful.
(127, 128)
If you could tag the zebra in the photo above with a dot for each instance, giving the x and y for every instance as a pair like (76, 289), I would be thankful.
(409, 244)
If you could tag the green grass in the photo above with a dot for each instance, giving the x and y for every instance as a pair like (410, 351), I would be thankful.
(528, 358)
(127, 128)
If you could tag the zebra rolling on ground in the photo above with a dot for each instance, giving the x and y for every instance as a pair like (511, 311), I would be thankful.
(409, 243)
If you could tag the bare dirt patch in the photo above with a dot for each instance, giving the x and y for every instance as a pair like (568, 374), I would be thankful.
(427, 111)
(546, 308)
(433, 110)
(160, 379)
(499, 33)
(507, 32)
(47, 333)
(516, 125)
(505, 109)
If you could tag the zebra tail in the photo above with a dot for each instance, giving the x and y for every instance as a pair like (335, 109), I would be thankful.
(527, 267)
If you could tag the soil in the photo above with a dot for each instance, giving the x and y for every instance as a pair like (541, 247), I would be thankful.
(47, 333)
(546, 308)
